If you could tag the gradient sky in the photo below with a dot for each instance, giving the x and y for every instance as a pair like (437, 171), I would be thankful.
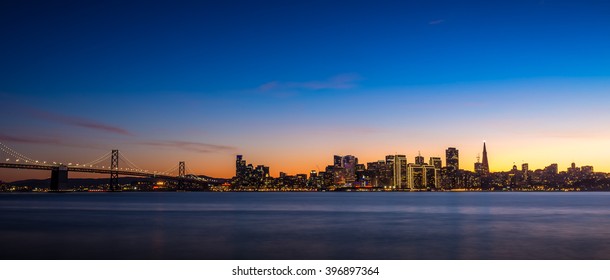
(289, 84)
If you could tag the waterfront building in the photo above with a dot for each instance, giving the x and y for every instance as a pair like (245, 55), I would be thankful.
(399, 170)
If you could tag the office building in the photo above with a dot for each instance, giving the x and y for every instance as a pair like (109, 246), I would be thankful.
(452, 158)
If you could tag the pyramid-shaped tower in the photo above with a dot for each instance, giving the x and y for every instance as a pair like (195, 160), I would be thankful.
(485, 163)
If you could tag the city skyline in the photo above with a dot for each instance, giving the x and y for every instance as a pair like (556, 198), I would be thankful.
(289, 84)
(346, 173)
(450, 161)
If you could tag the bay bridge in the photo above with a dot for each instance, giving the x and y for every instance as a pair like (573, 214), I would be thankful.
(113, 163)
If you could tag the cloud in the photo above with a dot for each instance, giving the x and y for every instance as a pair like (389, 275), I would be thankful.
(28, 140)
(81, 122)
(36, 140)
(343, 81)
(435, 22)
(190, 146)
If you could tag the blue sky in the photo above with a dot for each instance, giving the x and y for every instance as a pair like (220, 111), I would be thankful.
(206, 80)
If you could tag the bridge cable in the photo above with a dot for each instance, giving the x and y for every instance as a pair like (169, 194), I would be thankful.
(98, 160)
(14, 153)
(129, 162)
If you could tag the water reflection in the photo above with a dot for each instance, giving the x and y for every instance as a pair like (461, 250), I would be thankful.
(305, 226)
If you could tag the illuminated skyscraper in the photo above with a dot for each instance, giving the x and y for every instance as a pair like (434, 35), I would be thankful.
(262, 171)
(419, 160)
(398, 167)
(436, 162)
(338, 161)
(349, 163)
(485, 163)
(400, 171)
(345, 168)
(478, 168)
(240, 167)
(452, 159)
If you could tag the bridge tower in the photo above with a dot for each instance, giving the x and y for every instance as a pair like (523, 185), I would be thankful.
(114, 170)
(181, 169)
(181, 173)
(59, 178)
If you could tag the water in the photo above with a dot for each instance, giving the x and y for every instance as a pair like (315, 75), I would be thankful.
(305, 226)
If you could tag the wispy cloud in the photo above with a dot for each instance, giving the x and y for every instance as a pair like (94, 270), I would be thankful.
(28, 140)
(190, 146)
(343, 81)
(437, 21)
(36, 140)
(80, 122)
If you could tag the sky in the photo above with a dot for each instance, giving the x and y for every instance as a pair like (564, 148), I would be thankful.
(289, 84)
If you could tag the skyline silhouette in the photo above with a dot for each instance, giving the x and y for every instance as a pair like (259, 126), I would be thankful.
(125, 167)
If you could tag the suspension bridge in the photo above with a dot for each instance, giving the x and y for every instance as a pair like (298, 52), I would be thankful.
(113, 163)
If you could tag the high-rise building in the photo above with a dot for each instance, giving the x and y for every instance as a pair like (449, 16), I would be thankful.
(436, 162)
(262, 171)
(485, 163)
(452, 159)
(240, 167)
(399, 167)
(431, 177)
(338, 161)
(381, 173)
(573, 169)
(421, 176)
(329, 176)
(301, 180)
(349, 163)
(478, 168)
(419, 160)
(552, 169)
(415, 176)
(525, 169)
(339, 176)
(587, 169)
(345, 169)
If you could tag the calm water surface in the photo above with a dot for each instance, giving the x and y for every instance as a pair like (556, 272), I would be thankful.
(305, 226)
